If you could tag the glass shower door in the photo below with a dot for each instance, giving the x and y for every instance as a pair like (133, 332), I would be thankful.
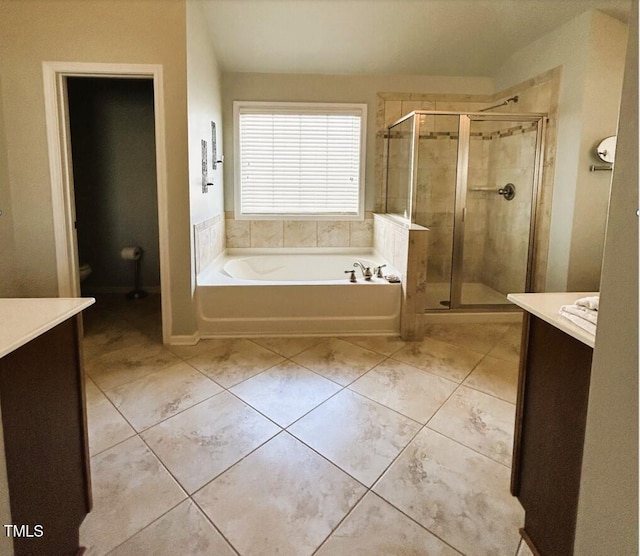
(436, 162)
(495, 206)
(399, 168)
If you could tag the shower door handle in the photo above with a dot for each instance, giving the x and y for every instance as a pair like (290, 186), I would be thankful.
(464, 213)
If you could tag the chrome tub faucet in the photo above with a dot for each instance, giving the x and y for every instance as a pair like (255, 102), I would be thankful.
(366, 271)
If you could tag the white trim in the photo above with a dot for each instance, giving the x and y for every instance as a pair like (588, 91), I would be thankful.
(184, 340)
(288, 107)
(58, 141)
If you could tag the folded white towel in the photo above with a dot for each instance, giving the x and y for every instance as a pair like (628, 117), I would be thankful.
(589, 302)
(586, 324)
(590, 315)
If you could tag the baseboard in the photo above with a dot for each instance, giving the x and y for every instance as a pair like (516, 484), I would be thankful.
(101, 290)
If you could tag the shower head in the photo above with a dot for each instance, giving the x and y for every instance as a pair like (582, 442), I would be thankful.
(508, 101)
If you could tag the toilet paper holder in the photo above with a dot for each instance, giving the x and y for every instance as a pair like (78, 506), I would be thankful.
(134, 254)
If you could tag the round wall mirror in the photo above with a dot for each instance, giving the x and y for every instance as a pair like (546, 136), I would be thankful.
(606, 149)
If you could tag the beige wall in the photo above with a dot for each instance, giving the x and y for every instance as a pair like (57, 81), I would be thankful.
(585, 111)
(126, 31)
(9, 284)
(204, 107)
(608, 510)
(601, 104)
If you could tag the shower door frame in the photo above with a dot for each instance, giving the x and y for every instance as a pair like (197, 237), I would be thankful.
(460, 209)
(460, 206)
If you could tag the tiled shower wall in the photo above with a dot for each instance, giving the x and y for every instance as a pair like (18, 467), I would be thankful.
(437, 169)
(394, 240)
(437, 156)
(503, 260)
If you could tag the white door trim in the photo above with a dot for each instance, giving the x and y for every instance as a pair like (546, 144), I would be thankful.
(58, 141)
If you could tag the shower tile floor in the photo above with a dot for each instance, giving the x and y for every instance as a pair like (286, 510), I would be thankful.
(473, 293)
(328, 446)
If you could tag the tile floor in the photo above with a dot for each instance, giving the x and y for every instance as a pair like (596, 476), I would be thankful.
(328, 446)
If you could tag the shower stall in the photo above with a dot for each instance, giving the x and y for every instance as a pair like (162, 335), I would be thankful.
(472, 179)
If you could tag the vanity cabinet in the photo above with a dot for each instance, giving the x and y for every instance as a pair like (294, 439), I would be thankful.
(551, 413)
(45, 440)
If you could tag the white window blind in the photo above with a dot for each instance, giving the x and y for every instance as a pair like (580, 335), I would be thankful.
(300, 160)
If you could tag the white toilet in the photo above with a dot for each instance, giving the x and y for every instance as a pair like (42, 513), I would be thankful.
(84, 271)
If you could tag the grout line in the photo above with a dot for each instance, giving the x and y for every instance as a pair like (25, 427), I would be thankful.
(342, 387)
(206, 516)
(146, 526)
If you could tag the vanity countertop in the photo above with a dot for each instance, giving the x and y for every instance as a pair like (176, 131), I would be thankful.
(547, 306)
(23, 319)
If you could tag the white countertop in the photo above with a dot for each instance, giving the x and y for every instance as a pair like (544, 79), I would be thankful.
(23, 319)
(547, 306)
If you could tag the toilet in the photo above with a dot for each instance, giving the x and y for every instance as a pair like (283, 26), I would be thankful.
(84, 271)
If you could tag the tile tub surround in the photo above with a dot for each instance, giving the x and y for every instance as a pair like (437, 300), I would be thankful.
(327, 446)
(299, 233)
(210, 241)
(405, 247)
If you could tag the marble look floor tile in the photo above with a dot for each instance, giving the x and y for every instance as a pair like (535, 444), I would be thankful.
(386, 345)
(375, 527)
(282, 499)
(338, 360)
(130, 489)
(106, 337)
(498, 377)
(508, 348)
(480, 422)
(201, 442)
(478, 337)
(410, 391)
(106, 427)
(285, 392)
(125, 365)
(202, 347)
(358, 435)
(443, 359)
(523, 549)
(461, 496)
(160, 395)
(235, 361)
(288, 347)
(184, 530)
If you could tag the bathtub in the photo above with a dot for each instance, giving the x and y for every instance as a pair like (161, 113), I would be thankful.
(295, 292)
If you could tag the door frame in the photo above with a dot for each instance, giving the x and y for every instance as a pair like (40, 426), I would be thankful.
(61, 169)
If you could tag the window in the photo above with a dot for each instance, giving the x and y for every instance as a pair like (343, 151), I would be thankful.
(299, 160)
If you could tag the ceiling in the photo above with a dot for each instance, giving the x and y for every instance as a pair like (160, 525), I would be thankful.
(411, 37)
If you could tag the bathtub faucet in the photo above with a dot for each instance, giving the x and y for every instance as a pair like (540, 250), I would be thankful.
(366, 271)
(352, 277)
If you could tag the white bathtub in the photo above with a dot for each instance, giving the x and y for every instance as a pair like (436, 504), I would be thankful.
(289, 292)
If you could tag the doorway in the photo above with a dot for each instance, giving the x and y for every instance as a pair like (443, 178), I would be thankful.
(55, 76)
(111, 124)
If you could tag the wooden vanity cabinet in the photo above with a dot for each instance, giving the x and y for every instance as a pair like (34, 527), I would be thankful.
(45, 438)
(551, 412)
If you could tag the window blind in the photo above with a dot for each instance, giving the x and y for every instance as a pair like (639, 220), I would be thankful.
(300, 162)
